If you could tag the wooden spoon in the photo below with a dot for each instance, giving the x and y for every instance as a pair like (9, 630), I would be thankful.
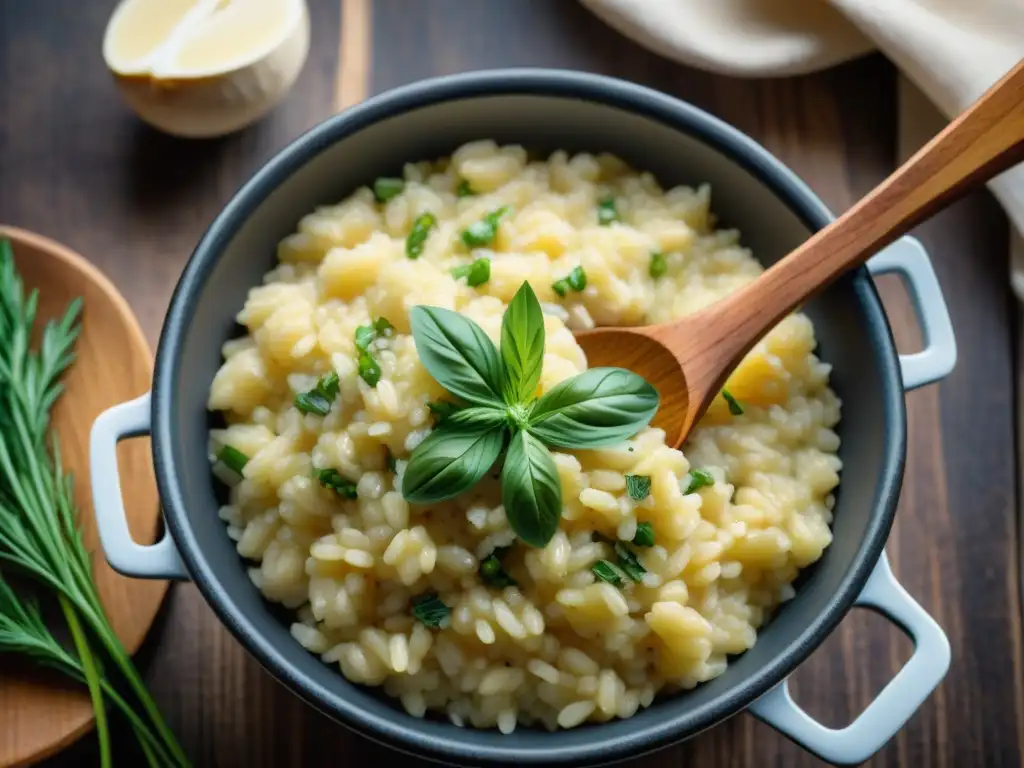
(688, 360)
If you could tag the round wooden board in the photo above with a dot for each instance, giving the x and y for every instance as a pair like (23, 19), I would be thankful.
(41, 713)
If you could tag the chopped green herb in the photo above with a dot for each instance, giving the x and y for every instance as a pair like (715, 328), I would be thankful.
(628, 563)
(735, 408)
(331, 478)
(429, 609)
(464, 190)
(699, 478)
(418, 234)
(367, 334)
(477, 273)
(232, 458)
(609, 572)
(576, 280)
(319, 399)
(392, 466)
(659, 265)
(442, 409)
(369, 370)
(483, 232)
(638, 487)
(644, 536)
(492, 571)
(385, 188)
(606, 212)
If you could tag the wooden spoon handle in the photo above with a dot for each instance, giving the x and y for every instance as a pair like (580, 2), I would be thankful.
(985, 140)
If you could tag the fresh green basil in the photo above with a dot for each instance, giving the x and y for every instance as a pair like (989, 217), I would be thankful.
(333, 479)
(576, 280)
(699, 478)
(659, 265)
(455, 455)
(483, 232)
(598, 407)
(320, 398)
(464, 190)
(418, 234)
(607, 212)
(476, 273)
(429, 609)
(644, 536)
(638, 487)
(386, 188)
(367, 334)
(232, 458)
(607, 571)
(627, 562)
(458, 354)
(369, 369)
(531, 490)
(522, 346)
(442, 409)
(735, 408)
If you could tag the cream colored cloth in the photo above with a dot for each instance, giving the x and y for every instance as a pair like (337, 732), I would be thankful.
(953, 50)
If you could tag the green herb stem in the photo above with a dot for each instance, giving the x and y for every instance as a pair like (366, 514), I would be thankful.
(92, 680)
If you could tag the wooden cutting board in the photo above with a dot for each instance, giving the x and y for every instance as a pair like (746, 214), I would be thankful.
(41, 712)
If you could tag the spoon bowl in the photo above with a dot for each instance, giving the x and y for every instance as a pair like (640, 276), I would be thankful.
(689, 360)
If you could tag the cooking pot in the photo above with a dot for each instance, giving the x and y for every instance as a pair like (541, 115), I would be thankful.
(546, 110)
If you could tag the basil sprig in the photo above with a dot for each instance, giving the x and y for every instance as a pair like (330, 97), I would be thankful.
(502, 413)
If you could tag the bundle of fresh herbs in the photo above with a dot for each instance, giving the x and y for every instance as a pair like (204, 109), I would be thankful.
(39, 535)
(498, 411)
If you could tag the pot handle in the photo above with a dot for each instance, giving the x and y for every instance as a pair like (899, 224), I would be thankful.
(154, 561)
(908, 258)
(884, 716)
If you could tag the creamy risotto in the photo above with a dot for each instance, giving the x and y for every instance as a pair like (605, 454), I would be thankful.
(648, 585)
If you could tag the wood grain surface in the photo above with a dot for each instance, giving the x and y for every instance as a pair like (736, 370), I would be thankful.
(76, 165)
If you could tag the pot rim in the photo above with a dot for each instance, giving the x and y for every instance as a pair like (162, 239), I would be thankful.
(401, 731)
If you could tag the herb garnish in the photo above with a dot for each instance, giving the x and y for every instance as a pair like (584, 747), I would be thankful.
(386, 188)
(638, 487)
(659, 265)
(476, 273)
(442, 409)
(233, 459)
(699, 478)
(576, 280)
(464, 190)
(367, 334)
(644, 536)
(609, 572)
(628, 563)
(369, 369)
(607, 212)
(418, 234)
(492, 571)
(429, 609)
(598, 407)
(332, 479)
(319, 399)
(735, 408)
(483, 232)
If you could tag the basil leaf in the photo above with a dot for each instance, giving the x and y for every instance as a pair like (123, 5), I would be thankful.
(386, 188)
(331, 478)
(442, 409)
(607, 212)
(599, 407)
(476, 273)
(734, 405)
(458, 354)
(418, 234)
(429, 609)
(659, 265)
(606, 571)
(577, 279)
(232, 458)
(454, 456)
(699, 478)
(531, 490)
(638, 487)
(561, 287)
(522, 346)
(464, 190)
(320, 398)
(628, 563)
(369, 370)
(644, 536)
(493, 573)
(483, 232)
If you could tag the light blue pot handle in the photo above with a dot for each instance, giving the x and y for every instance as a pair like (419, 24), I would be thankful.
(894, 705)
(154, 561)
(908, 258)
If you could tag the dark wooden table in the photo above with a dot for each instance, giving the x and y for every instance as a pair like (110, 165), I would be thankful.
(75, 165)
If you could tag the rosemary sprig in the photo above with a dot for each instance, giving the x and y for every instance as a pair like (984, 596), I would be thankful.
(39, 534)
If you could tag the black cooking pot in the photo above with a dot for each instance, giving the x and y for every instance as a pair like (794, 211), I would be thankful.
(547, 110)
